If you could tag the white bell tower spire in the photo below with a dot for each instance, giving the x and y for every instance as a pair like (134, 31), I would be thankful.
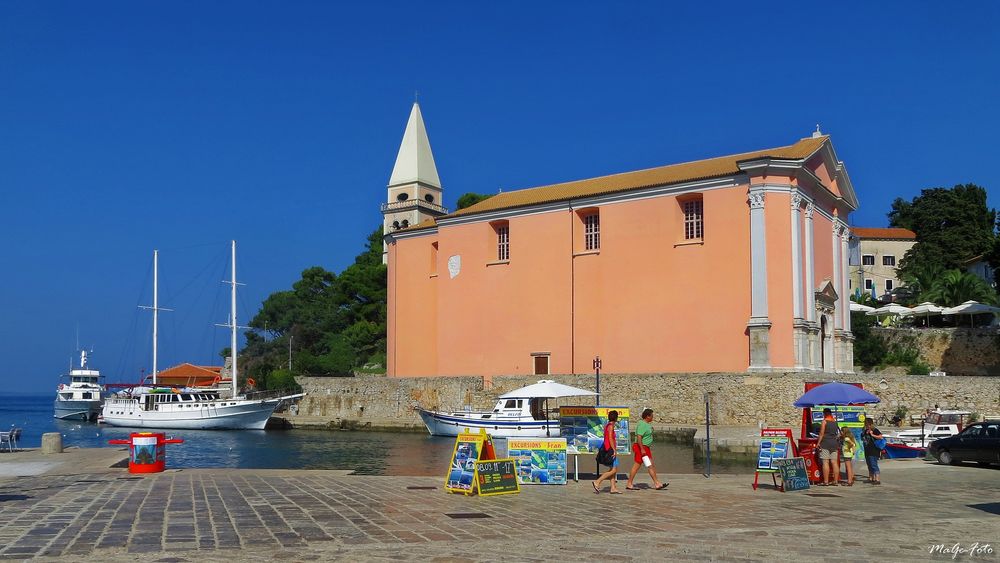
(414, 192)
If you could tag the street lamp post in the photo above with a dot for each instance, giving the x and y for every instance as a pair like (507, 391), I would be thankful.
(597, 371)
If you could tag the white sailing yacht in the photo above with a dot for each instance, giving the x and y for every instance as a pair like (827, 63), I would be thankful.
(192, 408)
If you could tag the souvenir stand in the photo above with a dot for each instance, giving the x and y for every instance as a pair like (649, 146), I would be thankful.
(820, 395)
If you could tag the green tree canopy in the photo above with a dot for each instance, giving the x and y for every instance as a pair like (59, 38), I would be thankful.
(952, 225)
(471, 198)
(329, 324)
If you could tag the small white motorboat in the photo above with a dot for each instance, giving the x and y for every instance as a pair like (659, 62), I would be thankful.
(938, 424)
(521, 413)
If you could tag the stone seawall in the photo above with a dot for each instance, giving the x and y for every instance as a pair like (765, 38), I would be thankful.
(956, 351)
(678, 399)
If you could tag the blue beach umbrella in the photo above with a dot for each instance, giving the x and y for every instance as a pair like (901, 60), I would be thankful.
(835, 394)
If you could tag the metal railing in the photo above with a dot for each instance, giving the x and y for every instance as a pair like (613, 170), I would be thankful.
(412, 204)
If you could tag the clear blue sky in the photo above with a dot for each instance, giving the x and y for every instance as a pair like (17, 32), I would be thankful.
(129, 126)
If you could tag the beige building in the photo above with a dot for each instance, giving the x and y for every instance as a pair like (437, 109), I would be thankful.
(875, 255)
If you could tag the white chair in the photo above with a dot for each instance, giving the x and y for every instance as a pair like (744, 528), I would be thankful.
(8, 439)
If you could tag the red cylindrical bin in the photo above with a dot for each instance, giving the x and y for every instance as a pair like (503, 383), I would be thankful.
(147, 452)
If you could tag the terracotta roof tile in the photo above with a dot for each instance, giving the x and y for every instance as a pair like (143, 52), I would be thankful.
(663, 175)
(883, 233)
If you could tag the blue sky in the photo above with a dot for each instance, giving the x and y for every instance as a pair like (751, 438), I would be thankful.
(130, 126)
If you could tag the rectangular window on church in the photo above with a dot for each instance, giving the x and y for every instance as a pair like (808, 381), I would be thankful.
(694, 228)
(592, 232)
(503, 241)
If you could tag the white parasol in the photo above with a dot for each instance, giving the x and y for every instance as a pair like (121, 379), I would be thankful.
(546, 389)
(925, 310)
(859, 308)
(971, 308)
(890, 309)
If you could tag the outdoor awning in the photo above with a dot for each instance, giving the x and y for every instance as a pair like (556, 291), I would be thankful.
(547, 389)
(890, 309)
(971, 308)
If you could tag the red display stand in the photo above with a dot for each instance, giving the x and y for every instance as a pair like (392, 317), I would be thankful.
(147, 452)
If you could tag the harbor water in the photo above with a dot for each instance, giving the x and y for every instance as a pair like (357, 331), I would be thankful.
(369, 453)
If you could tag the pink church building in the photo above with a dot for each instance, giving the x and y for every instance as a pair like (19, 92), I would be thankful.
(731, 264)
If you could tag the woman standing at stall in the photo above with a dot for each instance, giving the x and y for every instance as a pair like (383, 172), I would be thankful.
(610, 445)
(640, 450)
(829, 445)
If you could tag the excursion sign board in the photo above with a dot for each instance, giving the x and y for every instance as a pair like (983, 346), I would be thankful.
(539, 461)
(496, 477)
(583, 428)
(851, 417)
(470, 447)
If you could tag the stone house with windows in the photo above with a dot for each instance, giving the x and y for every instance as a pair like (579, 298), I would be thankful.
(729, 264)
(875, 255)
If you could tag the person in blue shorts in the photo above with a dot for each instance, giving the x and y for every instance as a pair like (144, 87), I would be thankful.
(872, 451)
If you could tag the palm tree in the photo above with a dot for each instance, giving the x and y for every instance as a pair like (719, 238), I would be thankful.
(955, 287)
(918, 280)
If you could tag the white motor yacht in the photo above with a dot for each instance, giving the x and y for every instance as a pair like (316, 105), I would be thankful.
(80, 398)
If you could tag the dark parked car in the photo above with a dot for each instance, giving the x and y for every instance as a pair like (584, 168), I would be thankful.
(978, 442)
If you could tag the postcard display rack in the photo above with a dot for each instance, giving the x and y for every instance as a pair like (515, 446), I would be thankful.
(775, 444)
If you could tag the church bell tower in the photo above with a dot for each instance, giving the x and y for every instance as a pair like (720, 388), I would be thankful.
(414, 192)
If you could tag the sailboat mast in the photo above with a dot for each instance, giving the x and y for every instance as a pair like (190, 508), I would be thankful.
(232, 319)
(156, 306)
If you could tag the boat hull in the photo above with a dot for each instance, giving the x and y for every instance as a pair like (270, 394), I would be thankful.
(452, 424)
(76, 410)
(902, 451)
(246, 416)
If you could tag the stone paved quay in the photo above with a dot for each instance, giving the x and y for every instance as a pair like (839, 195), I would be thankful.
(262, 515)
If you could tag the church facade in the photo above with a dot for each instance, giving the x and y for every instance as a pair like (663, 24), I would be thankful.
(730, 264)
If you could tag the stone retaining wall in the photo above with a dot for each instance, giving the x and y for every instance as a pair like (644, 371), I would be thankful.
(735, 399)
(956, 351)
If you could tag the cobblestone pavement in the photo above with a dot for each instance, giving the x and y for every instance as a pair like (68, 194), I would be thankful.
(258, 515)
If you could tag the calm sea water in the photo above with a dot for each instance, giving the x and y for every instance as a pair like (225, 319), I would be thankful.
(371, 453)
